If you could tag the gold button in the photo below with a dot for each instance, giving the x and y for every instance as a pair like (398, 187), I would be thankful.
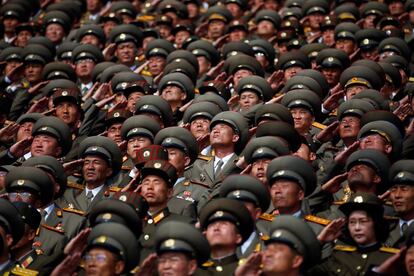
(219, 268)
(364, 256)
(150, 221)
(146, 237)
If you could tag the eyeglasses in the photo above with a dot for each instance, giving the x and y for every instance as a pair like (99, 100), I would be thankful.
(99, 258)
(86, 60)
(15, 196)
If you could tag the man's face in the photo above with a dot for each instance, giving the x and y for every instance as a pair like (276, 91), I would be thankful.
(291, 71)
(216, 28)
(361, 228)
(135, 143)
(55, 32)
(371, 54)
(95, 170)
(266, 28)
(164, 30)
(155, 190)
(175, 263)
(68, 112)
(33, 72)
(331, 75)
(24, 196)
(402, 197)
(204, 65)
(24, 131)
(91, 39)
(93, 5)
(178, 159)
(114, 132)
(45, 145)
(354, 90)
(376, 142)
(259, 168)
(101, 262)
(200, 126)
(192, 9)
(223, 234)
(132, 100)
(237, 34)
(172, 93)
(10, 24)
(22, 38)
(239, 74)
(409, 260)
(108, 26)
(315, 19)
(302, 118)
(280, 259)
(235, 10)
(305, 153)
(125, 52)
(286, 196)
(396, 7)
(346, 45)
(222, 135)
(180, 38)
(156, 65)
(361, 177)
(10, 65)
(248, 99)
(369, 21)
(84, 68)
(349, 127)
(328, 37)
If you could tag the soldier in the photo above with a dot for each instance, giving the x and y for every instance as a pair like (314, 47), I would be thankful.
(241, 66)
(182, 243)
(345, 37)
(157, 178)
(268, 22)
(114, 121)
(26, 123)
(226, 224)
(217, 18)
(156, 54)
(256, 197)
(253, 90)
(155, 107)
(293, 62)
(401, 197)
(68, 106)
(91, 34)
(368, 41)
(357, 78)
(332, 62)
(56, 25)
(102, 160)
(366, 230)
(12, 15)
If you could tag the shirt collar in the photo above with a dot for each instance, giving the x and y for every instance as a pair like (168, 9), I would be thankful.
(94, 191)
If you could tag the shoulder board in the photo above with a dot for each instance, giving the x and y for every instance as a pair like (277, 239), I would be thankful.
(52, 229)
(334, 113)
(59, 213)
(339, 202)
(74, 185)
(389, 250)
(264, 237)
(126, 168)
(146, 73)
(318, 125)
(199, 183)
(135, 270)
(317, 220)
(159, 217)
(186, 183)
(145, 18)
(346, 248)
(74, 211)
(25, 84)
(391, 218)
(268, 217)
(411, 79)
(258, 247)
(19, 271)
(204, 157)
(141, 57)
(196, 91)
(208, 264)
(114, 189)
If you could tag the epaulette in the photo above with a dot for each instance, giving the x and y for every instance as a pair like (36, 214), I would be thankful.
(204, 157)
(338, 202)
(258, 247)
(317, 220)
(52, 229)
(196, 91)
(126, 168)
(334, 113)
(186, 183)
(208, 264)
(318, 125)
(159, 217)
(146, 73)
(114, 189)
(145, 18)
(75, 185)
(200, 184)
(268, 217)
(20, 271)
(141, 57)
(74, 211)
(25, 84)
(135, 270)
(389, 250)
(411, 79)
(59, 213)
(345, 248)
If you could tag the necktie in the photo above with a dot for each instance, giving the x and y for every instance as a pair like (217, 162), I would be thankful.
(404, 227)
(84, 90)
(217, 170)
(89, 197)
(43, 214)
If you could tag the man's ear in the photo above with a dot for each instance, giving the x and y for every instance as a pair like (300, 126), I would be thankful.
(119, 267)
(109, 172)
(9, 240)
(297, 261)
(58, 151)
(170, 193)
(377, 179)
(301, 194)
(187, 161)
(193, 267)
(388, 149)
(236, 138)
(183, 95)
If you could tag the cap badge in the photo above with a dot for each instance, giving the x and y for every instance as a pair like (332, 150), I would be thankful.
(145, 106)
(44, 128)
(400, 175)
(157, 165)
(236, 193)
(211, 84)
(365, 41)
(122, 36)
(124, 84)
(65, 93)
(123, 198)
(168, 140)
(135, 130)
(260, 150)
(219, 214)
(358, 199)
(249, 86)
(107, 216)
(94, 148)
(169, 243)
(330, 59)
(300, 86)
(282, 172)
(283, 34)
(277, 234)
(116, 114)
(20, 182)
(101, 239)
(146, 153)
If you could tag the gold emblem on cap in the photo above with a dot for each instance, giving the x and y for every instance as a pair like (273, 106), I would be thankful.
(101, 239)
(145, 106)
(122, 36)
(169, 242)
(168, 140)
(282, 172)
(330, 59)
(135, 130)
(20, 182)
(124, 84)
(94, 148)
(219, 214)
(283, 34)
(157, 165)
(401, 174)
(146, 153)
(358, 199)
(249, 86)
(123, 198)
(116, 114)
(277, 234)
(236, 193)
(44, 128)
(107, 216)
(365, 41)
(260, 150)
(65, 93)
